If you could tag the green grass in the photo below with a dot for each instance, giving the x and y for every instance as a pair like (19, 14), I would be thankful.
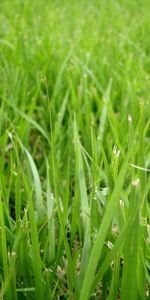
(74, 150)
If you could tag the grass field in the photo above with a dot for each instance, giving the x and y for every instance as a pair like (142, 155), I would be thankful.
(74, 149)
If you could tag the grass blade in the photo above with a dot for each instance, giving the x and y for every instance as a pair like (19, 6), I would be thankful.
(97, 248)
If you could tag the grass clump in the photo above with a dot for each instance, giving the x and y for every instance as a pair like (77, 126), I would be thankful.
(75, 151)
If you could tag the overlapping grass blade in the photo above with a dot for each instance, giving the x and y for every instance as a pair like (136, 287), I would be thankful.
(97, 248)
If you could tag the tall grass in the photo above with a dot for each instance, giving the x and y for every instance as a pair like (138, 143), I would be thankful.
(75, 150)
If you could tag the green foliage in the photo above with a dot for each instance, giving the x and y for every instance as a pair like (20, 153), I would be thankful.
(75, 150)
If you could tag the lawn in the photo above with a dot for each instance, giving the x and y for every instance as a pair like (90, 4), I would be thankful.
(74, 149)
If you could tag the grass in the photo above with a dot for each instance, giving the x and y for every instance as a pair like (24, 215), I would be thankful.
(75, 150)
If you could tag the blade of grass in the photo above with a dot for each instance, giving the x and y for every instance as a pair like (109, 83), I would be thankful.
(50, 215)
(39, 291)
(97, 248)
(37, 183)
(4, 251)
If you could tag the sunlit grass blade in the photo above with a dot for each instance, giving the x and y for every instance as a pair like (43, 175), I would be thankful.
(37, 183)
(50, 215)
(84, 202)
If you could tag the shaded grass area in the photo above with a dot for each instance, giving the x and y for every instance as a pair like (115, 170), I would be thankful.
(75, 150)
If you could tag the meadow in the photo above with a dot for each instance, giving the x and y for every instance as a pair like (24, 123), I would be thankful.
(74, 149)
